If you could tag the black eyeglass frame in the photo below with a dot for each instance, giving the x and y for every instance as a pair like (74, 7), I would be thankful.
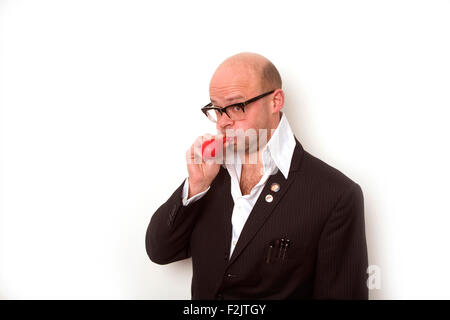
(242, 105)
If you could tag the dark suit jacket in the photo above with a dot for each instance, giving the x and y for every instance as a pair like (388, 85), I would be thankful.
(318, 208)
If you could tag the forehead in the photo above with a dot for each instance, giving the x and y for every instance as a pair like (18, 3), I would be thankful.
(228, 95)
(231, 84)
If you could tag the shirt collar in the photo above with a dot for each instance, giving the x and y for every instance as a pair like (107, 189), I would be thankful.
(278, 151)
(280, 147)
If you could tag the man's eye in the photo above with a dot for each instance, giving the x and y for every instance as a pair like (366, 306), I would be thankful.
(237, 108)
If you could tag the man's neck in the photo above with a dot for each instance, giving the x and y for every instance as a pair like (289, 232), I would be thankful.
(252, 159)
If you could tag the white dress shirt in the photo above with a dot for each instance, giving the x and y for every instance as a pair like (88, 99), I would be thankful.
(276, 155)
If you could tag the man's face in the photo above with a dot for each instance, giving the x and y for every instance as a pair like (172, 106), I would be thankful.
(233, 84)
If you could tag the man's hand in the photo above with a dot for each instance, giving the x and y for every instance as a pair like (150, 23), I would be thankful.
(201, 172)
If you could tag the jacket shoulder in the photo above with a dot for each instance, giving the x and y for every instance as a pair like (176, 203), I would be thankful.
(323, 175)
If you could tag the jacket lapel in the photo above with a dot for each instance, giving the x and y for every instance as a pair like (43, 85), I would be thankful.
(263, 209)
(228, 204)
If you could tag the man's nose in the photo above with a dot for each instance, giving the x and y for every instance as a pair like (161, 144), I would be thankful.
(224, 121)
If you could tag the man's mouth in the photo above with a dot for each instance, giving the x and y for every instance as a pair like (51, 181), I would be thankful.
(231, 139)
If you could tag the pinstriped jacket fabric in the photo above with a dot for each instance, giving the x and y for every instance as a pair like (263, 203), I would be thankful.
(318, 209)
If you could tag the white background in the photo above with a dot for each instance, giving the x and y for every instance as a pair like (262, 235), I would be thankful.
(100, 100)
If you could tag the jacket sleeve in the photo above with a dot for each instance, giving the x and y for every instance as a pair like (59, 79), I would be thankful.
(169, 230)
(342, 251)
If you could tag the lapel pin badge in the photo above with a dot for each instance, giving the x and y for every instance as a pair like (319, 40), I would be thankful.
(275, 187)
(269, 198)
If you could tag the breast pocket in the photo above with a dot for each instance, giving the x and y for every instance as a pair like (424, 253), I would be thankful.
(281, 263)
(283, 250)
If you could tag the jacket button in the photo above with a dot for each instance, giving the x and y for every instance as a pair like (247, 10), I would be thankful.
(230, 275)
(219, 296)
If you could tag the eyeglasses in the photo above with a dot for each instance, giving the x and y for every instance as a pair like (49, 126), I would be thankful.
(235, 111)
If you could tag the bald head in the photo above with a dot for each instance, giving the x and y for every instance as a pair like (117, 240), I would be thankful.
(262, 74)
(241, 77)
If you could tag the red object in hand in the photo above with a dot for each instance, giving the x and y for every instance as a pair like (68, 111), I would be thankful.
(209, 147)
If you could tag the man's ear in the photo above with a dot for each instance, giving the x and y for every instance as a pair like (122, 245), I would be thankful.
(278, 100)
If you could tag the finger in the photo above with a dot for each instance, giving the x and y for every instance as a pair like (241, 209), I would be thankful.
(190, 153)
(196, 149)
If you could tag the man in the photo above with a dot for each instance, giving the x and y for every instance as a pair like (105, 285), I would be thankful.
(286, 226)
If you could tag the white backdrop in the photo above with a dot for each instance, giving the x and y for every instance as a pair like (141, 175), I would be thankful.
(100, 100)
